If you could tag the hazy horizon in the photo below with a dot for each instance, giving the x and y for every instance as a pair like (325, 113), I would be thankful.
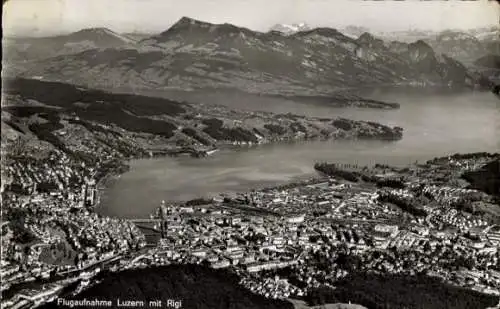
(52, 17)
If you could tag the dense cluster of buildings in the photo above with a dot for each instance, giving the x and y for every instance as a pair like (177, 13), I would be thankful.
(307, 232)
(50, 232)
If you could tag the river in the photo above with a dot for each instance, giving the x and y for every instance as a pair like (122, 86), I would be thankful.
(434, 125)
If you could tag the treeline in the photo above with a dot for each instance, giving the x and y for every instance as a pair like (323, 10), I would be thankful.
(17, 189)
(464, 156)
(403, 203)
(111, 114)
(199, 201)
(124, 111)
(275, 129)
(333, 171)
(94, 128)
(376, 291)
(197, 286)
(193, 134)
(496, 89)
(44, 132)
(46, 187)
(17, 220)
(383, 132)
(49, 114)
(214, 128)
(14, 126)
(65, 95)
(391, 183)
(298, 127)
(116, 142)
(344, 124)
(232, 134)
(28, 111)
(387, 134)
(109, 168)
(486, 179)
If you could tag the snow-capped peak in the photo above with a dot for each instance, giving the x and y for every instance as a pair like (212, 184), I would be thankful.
(289, 29)
(483, 34)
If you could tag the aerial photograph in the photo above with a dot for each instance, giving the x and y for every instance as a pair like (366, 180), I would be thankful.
(250, 154)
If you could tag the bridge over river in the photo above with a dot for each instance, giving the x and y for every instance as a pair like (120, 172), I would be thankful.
(153, 229)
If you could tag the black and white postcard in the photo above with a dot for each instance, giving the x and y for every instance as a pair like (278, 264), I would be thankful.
(250, 154)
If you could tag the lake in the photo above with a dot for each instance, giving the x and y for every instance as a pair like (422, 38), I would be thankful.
(434, 125)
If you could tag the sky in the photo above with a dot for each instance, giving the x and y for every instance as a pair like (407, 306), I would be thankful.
(49, 17)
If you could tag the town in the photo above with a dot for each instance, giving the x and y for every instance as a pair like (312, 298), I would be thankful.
(56, 162)
(215, 154)
(306, 227)
(282, 241)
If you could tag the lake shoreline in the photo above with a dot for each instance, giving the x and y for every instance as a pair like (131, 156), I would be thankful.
(107, 182)
(434, 126)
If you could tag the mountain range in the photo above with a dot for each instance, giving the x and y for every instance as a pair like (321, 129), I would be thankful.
(466, 46)
(194, 54)
(463, 45)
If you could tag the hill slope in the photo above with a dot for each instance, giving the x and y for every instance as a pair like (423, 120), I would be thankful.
(40, 48)
(489, 61)
(71, 118)
(486, 179)
(197, 287)
(376, 291)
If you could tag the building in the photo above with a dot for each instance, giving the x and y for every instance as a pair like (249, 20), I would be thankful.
(389, 230)
(296, 218)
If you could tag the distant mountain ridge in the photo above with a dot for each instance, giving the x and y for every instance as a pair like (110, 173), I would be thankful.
(194, 54)
(43, 47)
(463, 45)
(483, 33)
